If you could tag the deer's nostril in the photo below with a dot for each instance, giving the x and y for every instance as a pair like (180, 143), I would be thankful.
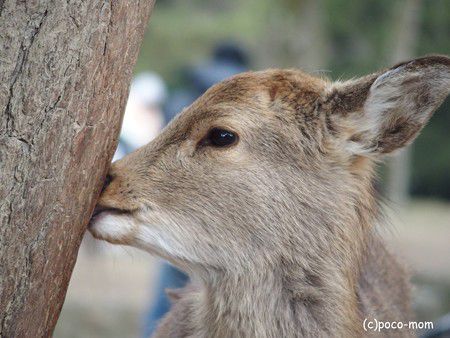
(108, 180)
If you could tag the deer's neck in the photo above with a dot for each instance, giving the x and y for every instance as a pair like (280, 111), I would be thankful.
(240, 306)
(278, 303)
(312, 290)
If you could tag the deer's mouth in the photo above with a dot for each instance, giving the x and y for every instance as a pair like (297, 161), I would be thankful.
(113, 225)
(100, 211)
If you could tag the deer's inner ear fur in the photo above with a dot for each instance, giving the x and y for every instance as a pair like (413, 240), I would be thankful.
(383, 112)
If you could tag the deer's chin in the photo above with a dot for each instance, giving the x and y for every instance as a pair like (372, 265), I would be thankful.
(139, 230)
(113, 227)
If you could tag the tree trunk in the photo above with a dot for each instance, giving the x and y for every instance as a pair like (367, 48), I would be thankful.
(65, 67)
(403, 47)
(296, 36)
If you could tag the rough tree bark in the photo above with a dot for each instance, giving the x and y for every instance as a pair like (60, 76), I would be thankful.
(65, 67)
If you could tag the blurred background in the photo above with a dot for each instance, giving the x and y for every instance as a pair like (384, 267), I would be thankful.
(191, 44)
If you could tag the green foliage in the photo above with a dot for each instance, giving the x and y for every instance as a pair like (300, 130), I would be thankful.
(183, 32)
(431, 152)
(431, 157)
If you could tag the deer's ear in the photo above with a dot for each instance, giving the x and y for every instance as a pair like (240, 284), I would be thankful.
(383, 112)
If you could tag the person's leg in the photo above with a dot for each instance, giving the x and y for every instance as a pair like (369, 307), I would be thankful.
(169, 278)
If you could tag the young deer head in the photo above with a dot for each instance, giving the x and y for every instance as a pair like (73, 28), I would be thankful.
(268, 177)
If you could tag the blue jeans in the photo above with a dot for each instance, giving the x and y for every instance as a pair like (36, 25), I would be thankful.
(169, 278)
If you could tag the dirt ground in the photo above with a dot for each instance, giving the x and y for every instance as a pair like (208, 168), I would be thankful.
(111, 287)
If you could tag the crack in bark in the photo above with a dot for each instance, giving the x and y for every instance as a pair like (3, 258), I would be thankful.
(2, 5)
(110, 23)
(74, 21)
(21, 60)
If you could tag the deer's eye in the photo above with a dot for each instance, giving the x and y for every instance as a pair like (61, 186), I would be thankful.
(221, 138)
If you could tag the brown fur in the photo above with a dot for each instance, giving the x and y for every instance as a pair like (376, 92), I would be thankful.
(279, 231)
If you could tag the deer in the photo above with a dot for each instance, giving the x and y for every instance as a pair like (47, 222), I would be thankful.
(262, 191)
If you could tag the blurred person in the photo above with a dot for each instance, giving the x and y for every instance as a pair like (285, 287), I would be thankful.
(227, 59)
(144, 117)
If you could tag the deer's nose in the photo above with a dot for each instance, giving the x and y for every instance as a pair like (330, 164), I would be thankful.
(107, 182)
